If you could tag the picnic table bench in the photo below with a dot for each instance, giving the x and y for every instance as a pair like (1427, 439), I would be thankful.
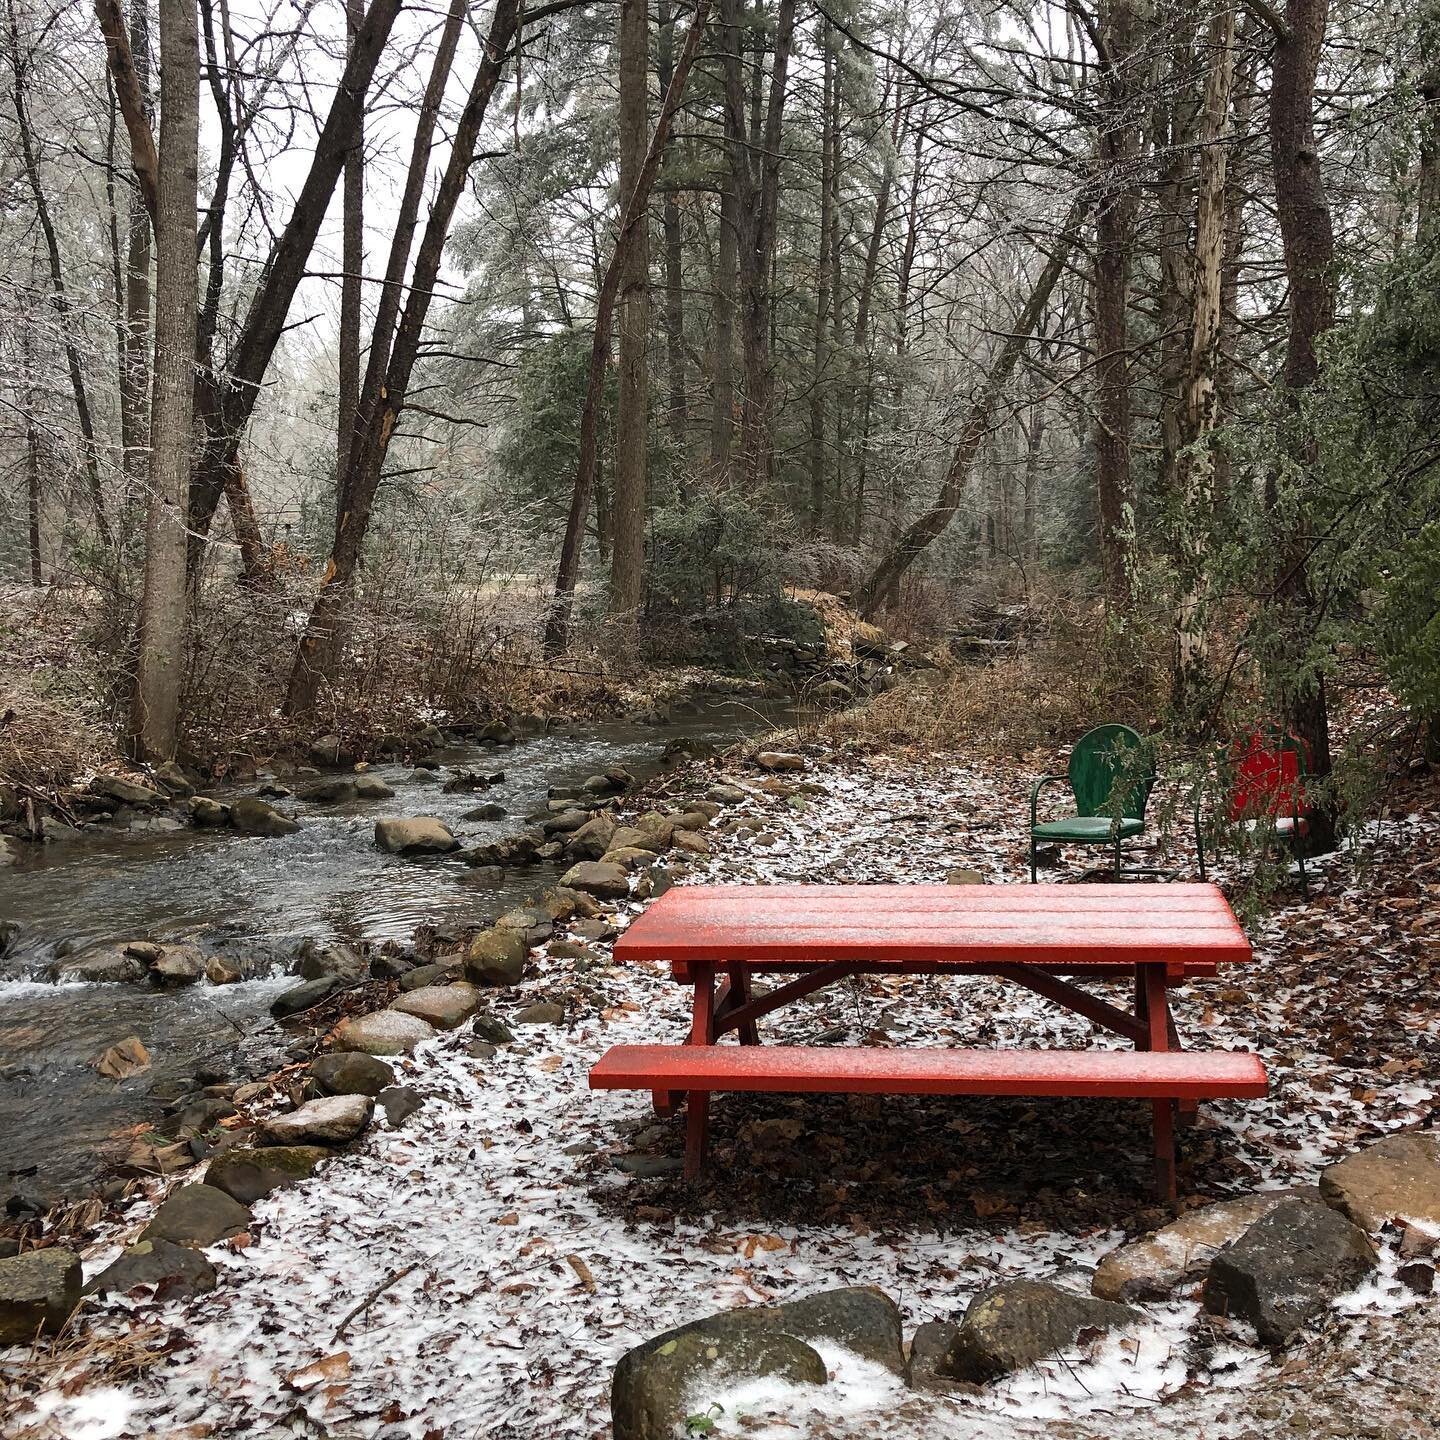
(1041, 937)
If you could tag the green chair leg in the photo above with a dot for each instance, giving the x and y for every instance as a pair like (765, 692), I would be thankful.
(1032, 858)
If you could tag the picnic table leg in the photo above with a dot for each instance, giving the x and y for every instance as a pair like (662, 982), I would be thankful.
(740, 987)
(1187, 1112)
(1151, 984)
(702, 1032)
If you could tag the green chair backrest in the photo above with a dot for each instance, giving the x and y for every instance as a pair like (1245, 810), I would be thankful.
(1104, 758)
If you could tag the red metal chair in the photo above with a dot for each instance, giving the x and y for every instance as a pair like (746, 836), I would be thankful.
(1263, 775)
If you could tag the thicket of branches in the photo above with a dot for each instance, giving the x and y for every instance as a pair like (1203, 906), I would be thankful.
(933, 293)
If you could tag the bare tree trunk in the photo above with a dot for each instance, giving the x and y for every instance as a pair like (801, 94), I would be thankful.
(674, 282)
(1199, 410)
(756, 419)
(162, 606)
(734, 210)
(352, 265)
(1237, 167)
(557, 626)
(1114, 244)
(59, 294)
(627, 555)
(930, 525)
(1308, 239)
(818, 377)
(135, 376)
(32, 457)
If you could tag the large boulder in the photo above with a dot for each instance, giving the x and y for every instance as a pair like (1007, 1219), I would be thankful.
(1012, 1325)
(316, 959)
(177, 965)
(209, 814)
(860, 1319)
(382, 1032)
(776, 760)
(443, 1006)
(351, 1072)
(108, 964)
(372, 787)
(1152, 1266)
(607, 882)
(418, 835)
(1398, 1176)
(248, 1175)
(301, 997)
(171, 1269)
(125, 792)
(38, 1290)
(171, 777)
(1287, 1267)
(333, 790)
(495, 957)
(592, 839)
(659, 1384)
(197, 1216)
(253, 816)
(330, 1120)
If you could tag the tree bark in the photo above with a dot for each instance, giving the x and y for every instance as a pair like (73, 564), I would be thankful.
(819, 360)
(1308, 241)
(1114, 246)
(674, 315)
(557, 624)
(162, 608)
(352, 266)
(756, 421)
(135, 376)
(1199, 408)
(734, 224)
(627, 553)
(930, 525)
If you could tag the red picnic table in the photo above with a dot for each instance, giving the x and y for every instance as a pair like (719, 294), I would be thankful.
(1042, 937)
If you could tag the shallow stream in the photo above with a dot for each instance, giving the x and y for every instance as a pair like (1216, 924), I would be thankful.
(256, 899)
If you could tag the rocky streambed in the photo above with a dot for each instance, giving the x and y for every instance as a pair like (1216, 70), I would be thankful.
(178, 918)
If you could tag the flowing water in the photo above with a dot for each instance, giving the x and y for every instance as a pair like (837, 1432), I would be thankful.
(253, 899)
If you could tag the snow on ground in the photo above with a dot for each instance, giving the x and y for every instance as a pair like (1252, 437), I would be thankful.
(501, 1262)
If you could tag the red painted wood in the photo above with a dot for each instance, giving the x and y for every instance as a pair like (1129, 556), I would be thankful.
(1189, 928)
(1144, 1074)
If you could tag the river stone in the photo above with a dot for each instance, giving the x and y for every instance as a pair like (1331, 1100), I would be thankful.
(178, 965)
(38, 1290)
(400, 1102)
(590, 841)
(860, 1319)
(542, 1013)
(1287, 1268)
(124, 792)
(635, 837)
(351, 1072)
(9, 851)
(490, 810)
(420, 835)
(1150, 1267)
(302, 997)
(629, 858)
(331, 750)
(574, 950)
(692, 819)
(173, 1269)
(1012, 1325)
(248, 1175)
(437, 974)
(330, 1120)
(207, 813)
(443, 1006)
(197, 1216)
(692, 842)
(1398, 1176)
(495, 957)
(317, 960)
(931, 1363)
(383, 1032)
(608, 882)
(332, 791)
(252, 816)
(658, 1384)
(779, 760)
(594, 929)
(566, 822)
(109, 965)
(489, 1028)
(372, 787)
(171, 778)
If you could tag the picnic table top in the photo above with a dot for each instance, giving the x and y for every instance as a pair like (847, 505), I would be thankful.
(1190, 928)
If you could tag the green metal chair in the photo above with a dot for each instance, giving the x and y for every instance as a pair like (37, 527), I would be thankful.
(1111, 775)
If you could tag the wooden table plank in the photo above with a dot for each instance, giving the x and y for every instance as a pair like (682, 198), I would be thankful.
(1187, 927)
